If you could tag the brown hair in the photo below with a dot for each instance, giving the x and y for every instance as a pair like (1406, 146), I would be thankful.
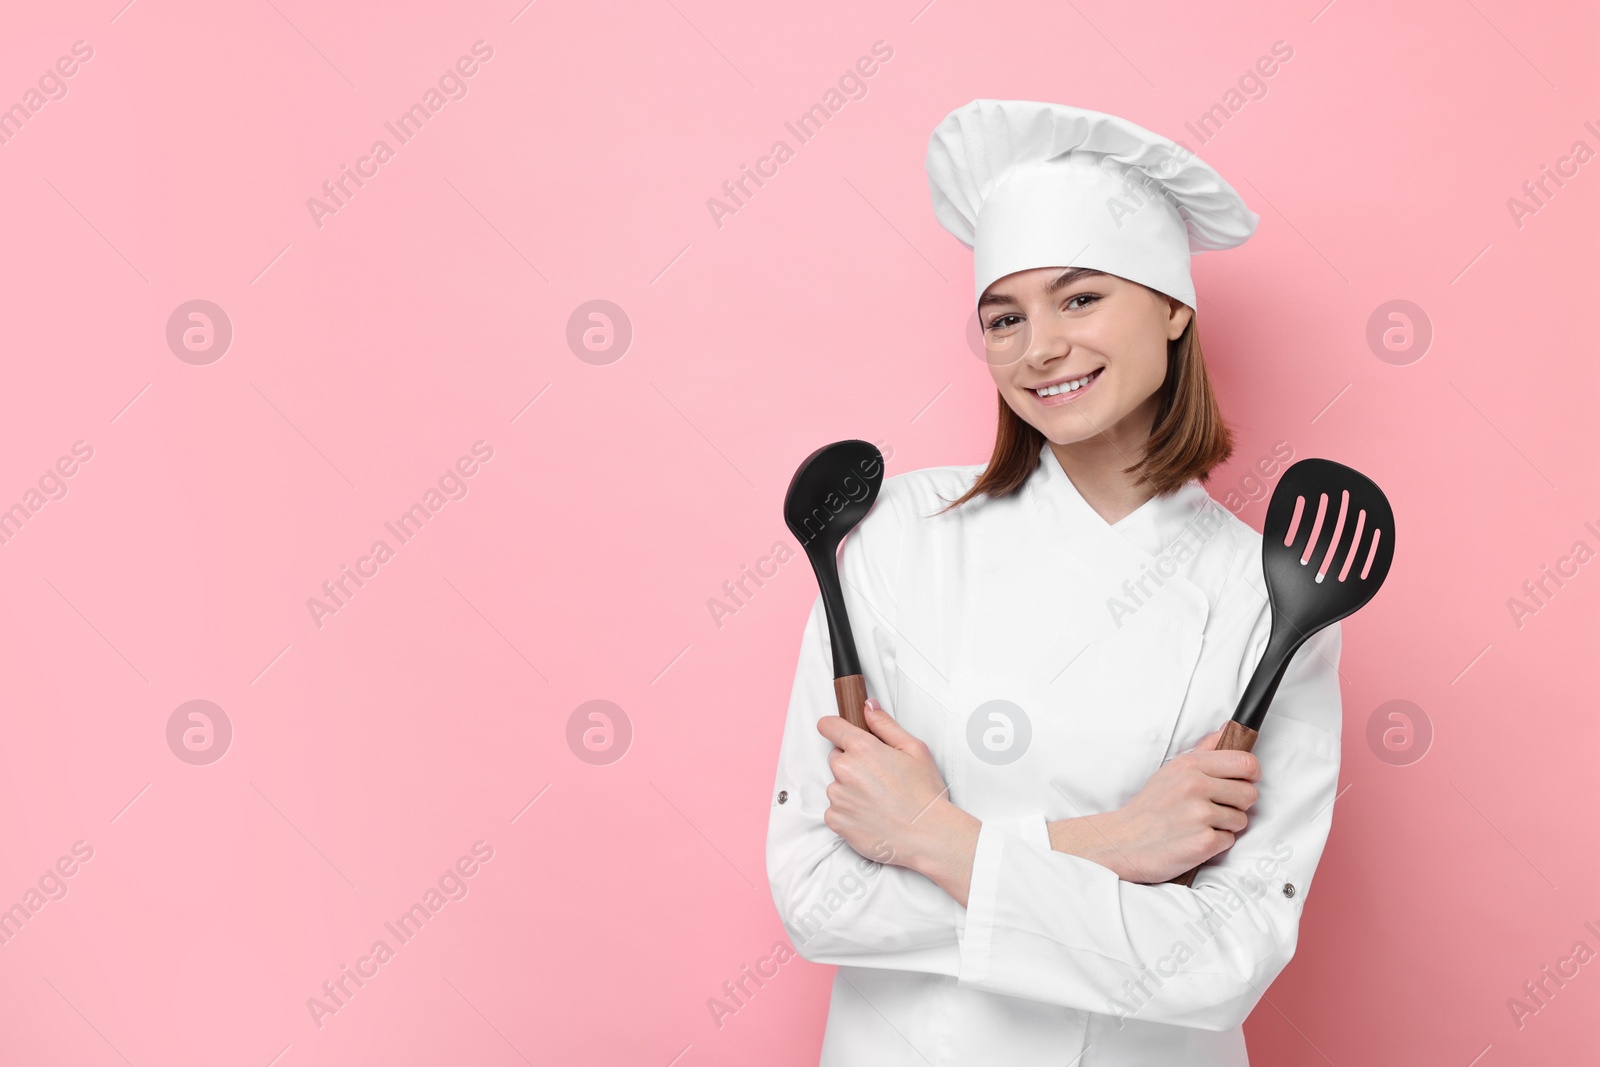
(1187, 440)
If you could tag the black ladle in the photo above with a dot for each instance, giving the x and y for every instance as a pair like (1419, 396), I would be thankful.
(831, 492)
(1326, 547)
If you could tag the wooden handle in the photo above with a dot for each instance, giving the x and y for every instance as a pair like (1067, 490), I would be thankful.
(1235, 738)
(850, 693)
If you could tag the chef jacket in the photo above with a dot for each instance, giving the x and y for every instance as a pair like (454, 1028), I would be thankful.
(1052, 661)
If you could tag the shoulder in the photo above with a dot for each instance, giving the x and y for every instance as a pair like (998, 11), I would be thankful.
(1239, 587)
(1242, 546)
(1229, 571)
(909, 505)
(923, 493)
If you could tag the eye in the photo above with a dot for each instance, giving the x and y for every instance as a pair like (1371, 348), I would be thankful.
(995, 324)
(1082, 296)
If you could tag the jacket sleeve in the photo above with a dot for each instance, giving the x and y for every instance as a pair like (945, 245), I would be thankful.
(838, 906)
(1058, 928)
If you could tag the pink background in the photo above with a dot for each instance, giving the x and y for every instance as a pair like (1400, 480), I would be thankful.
(371, 352)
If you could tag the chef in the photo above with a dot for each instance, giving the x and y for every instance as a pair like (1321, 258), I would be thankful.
(1052, 641)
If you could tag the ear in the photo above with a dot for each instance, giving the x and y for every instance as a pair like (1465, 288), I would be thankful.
(1178, 316)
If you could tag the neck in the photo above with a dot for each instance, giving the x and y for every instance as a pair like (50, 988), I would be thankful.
(1095, 466)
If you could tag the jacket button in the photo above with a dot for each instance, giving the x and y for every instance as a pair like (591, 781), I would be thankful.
(1288, 889)
(783, 796)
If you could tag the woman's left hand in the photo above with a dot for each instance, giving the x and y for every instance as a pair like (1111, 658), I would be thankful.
(890, 803)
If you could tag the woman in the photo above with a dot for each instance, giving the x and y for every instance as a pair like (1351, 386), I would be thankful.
(1056, 638)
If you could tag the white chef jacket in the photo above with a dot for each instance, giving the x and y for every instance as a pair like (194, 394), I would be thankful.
(1054, 960)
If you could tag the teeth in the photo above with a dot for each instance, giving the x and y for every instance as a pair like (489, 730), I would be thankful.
(1066, 387)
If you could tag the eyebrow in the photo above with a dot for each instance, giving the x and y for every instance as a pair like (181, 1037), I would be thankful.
(1066, 278)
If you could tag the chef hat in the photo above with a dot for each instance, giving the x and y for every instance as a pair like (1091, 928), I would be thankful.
(1027, 184)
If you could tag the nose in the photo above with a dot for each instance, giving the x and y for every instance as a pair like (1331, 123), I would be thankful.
(1048, 342)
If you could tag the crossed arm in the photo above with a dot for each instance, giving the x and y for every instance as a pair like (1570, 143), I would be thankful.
(872, 865)
(889, 799)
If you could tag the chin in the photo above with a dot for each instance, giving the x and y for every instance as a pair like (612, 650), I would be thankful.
(1066, 421)
(1060, 437)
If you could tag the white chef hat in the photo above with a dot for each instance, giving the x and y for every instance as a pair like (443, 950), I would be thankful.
(1027, 184)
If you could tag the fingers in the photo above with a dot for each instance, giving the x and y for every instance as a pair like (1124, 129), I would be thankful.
(1234, 793)
(839, 730)
(849, 739)
(1230, 819)
(1230, 764)
(1226, 763)
(880, 726)
(889, 731)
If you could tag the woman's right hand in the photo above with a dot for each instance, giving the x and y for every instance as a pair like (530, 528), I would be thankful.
(1192, 808)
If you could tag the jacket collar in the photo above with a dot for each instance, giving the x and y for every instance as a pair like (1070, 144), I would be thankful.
(1151, 528)
(1107, 620)
(1165, 534)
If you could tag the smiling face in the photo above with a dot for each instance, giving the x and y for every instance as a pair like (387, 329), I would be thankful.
(1098, 342)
